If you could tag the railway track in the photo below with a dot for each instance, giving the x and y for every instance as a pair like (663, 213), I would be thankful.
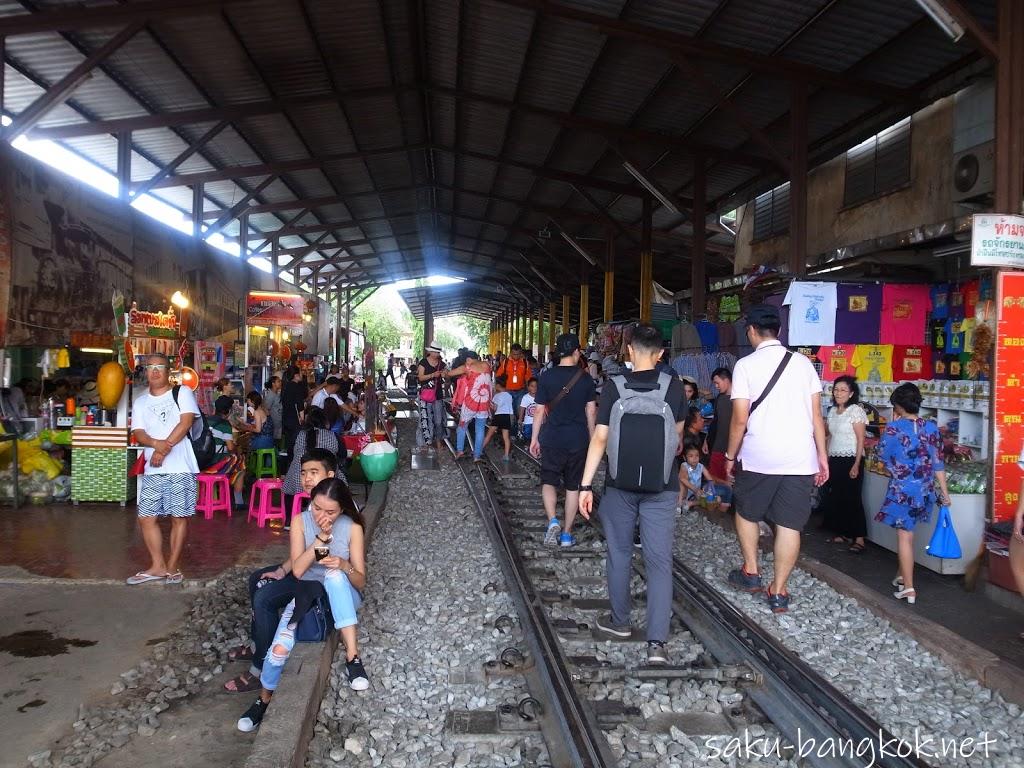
(592, 701)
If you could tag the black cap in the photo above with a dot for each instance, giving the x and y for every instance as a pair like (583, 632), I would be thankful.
(223, 404)
(764, 316)
(566, 344)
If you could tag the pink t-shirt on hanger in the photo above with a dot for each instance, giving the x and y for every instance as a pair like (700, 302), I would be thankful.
(905, 311)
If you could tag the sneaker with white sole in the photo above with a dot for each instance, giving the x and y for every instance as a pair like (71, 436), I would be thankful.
(567, 540)
(551, 535)
(656, 652)
(253, 716)
(357, 679)
(605, 624)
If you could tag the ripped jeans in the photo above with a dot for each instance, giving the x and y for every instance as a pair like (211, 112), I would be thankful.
(345, 601)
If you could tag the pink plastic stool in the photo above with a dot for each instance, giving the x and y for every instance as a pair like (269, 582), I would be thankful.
(297, 504)
(261, 501)
(214, 495)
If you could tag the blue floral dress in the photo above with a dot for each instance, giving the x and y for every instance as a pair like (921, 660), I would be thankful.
(912, 452)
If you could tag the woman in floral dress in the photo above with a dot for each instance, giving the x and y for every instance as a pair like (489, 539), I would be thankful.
(911, 449)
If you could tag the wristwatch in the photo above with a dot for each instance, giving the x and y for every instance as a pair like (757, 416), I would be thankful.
(587, 488)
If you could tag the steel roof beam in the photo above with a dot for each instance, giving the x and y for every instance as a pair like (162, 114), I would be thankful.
(60, 91)
(72, 18)
(138, 190)
(674, 43)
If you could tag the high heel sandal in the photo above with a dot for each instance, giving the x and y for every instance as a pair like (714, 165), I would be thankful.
(897, 582)
(910, 595)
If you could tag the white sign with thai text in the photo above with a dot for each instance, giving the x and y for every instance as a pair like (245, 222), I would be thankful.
(997, 240)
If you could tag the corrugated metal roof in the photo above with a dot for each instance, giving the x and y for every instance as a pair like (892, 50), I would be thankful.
(265, 49)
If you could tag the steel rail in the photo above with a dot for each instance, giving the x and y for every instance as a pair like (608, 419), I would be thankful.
(806, 708)
(576, 720)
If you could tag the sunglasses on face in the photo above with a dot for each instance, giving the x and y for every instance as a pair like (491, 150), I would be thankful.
(156, 367)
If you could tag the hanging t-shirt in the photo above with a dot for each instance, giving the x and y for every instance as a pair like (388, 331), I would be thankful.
(937, 336)
(940, 366)
(708, 333)
(956, 366)
(904, 312)
(954, 337)
(858, 313)
(873, 362)
(911, 363)
(812, 313)
(837, 361)
(970, 293)
(967, 326)
(965, 367)
(940, 301)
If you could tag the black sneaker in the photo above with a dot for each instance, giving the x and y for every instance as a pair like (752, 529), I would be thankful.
(357, 679)
(656, 653)
(777, 603)
(748, 582)
(609, 627)
(253, 716)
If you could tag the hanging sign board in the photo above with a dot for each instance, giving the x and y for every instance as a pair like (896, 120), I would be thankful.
(997, 240)
(160, 325)
(272, 308)
(1008, 390)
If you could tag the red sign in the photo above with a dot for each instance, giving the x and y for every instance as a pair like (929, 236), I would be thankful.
(163, 325)
(1008, 385)
(271, 308)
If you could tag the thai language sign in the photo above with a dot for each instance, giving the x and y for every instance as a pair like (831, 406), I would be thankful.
(272, 308)
(997, 240)
(1008, 426)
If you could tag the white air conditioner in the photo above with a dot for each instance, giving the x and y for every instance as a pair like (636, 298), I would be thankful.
(974, 172)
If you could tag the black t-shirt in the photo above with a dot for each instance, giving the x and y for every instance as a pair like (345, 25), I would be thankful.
(676, 399)
(428, 369)
(293, 400)
(718, 435)
(565, 427)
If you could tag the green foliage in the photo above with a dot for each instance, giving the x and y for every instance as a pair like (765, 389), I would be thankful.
(383, 327)
(478, 331)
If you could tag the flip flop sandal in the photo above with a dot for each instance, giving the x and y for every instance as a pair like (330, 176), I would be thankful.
(175, 578)
(142, 577)
(244, 683)
(241, 653)
(857, 548)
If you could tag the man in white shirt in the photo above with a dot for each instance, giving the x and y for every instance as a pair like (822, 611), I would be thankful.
(329, 389)
(781, 447)
(168, 487)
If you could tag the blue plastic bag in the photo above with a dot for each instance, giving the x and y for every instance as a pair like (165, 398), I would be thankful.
(944, 543)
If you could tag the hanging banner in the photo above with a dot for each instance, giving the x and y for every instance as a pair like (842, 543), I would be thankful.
(271, 308)
(210, 362)
(1008, 385)
(158, 325)
(997, 240)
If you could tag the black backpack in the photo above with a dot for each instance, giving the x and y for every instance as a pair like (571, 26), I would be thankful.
(203, 447)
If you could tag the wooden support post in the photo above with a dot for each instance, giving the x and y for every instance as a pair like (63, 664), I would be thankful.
(3, 61)
(584, 310)
(565, 312)
(124, 165)
(1009, 159)
(275, 264)
(608, 308)
(646, 262)
(529, 330)
(698, 281)
(798, 180)
(197, 210)
(243, 239)
(551, 326)
(540, 327)
(348, 322)
(428, 322)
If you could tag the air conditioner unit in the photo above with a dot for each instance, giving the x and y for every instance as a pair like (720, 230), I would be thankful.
(974, 172)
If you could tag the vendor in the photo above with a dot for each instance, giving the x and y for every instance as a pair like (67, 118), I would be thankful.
(89, 395)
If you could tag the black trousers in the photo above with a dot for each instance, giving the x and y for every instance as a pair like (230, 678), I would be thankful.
(842, 505)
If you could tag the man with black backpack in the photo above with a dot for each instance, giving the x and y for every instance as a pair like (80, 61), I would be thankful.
(640, 422)
(162, 419)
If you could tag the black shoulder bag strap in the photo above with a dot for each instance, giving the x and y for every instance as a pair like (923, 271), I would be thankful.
(565, 390)
(773, 381)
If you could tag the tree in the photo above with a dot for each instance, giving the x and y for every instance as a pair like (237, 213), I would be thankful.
(383, 327)
(449, 342)
(478, 331)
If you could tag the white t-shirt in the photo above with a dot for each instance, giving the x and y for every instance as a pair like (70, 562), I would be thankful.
(502, 403)
(842, 439)
(530, 404)
(780, 433)
(321, 397)
(157, 417)
(812, 314)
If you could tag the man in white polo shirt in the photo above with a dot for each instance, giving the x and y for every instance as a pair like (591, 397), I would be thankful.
(777, 433)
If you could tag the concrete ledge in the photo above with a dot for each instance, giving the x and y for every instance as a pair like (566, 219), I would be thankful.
(286, 731)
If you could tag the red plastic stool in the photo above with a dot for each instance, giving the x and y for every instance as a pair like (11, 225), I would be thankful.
(297, 504)
(214, 495)
(261, 501)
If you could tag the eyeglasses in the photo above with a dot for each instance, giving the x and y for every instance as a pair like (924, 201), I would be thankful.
(156, 367)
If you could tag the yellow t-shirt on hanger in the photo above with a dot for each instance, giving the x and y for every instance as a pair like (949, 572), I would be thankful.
(873, 362)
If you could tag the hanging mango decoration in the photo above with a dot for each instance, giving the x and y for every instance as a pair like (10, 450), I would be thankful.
(300, 346)
(272, 346)
(286, 353)
(110, 383)
(190, 378)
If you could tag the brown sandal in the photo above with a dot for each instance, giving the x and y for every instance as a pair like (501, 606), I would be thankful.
(241, 653)
(244, 683)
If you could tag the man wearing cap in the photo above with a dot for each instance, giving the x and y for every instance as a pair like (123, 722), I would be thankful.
(777, 434)
(431, 400)
(562, 426)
